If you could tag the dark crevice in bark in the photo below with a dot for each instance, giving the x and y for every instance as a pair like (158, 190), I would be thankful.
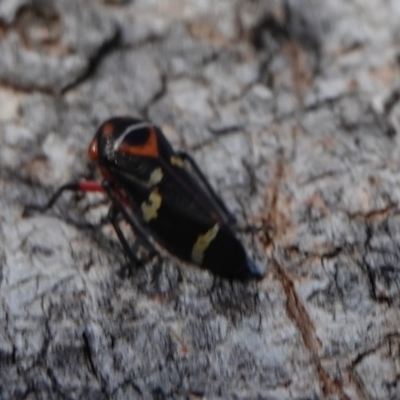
(391, 101)
(157, 96)
(107, 47)
(55, 385)
(270, 26)
(370, 273)
(375, 215)
(88, 355)
(27, 89)
(298, 314)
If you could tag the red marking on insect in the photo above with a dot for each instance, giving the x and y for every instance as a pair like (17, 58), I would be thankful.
(93, 150)
(90, 186)
(148, 149)
(105, 173)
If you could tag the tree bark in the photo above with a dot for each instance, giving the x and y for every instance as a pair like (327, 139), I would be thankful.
(291, 108)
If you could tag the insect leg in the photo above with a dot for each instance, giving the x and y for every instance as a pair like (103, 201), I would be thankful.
(227, 214)
(84, 186)
(113, 218)
(131, 219)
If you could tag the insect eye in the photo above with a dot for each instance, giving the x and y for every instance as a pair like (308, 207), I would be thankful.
(138, 139)
(136, 136)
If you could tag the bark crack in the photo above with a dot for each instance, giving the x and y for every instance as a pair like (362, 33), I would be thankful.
(103, 51)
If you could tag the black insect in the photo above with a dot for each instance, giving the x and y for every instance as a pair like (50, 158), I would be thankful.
(164, 194)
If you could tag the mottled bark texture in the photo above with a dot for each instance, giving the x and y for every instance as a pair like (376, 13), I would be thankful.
(292, 109)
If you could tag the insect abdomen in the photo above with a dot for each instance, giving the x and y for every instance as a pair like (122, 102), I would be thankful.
(211, 246)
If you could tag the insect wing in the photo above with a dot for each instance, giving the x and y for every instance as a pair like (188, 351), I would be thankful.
(183, 186)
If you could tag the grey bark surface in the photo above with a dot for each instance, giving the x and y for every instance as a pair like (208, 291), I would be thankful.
(292, 110)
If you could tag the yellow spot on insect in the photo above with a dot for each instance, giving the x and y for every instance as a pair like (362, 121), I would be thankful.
(202, 243)
(151, 206)
(155, 177)
(177, 161)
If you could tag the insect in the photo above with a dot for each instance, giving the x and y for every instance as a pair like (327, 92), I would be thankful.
(163, 194)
